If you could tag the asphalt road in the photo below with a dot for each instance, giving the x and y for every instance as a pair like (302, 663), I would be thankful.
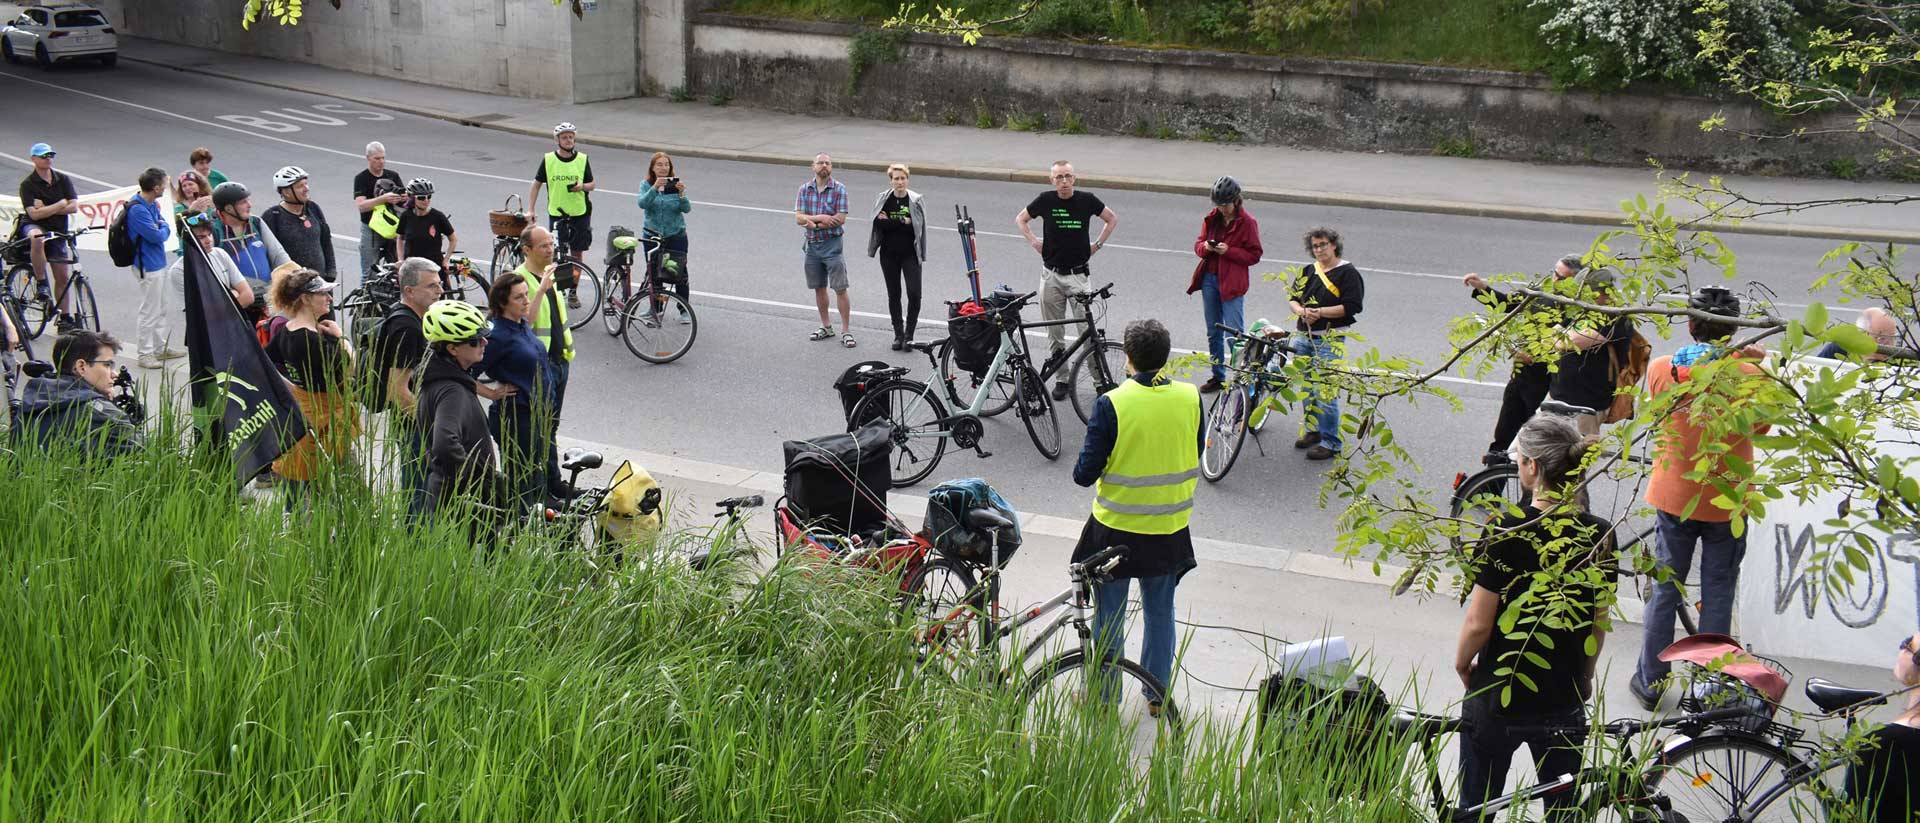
(752, 379)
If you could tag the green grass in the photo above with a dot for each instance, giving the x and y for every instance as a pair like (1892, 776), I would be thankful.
(1496, 34)
(170, 652)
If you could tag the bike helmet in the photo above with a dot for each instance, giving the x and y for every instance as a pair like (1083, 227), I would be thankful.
(420, 187)
(454, 321)
(287, 176)
(385, 186)
(1226, 190)
(563, 128)
(229, 193)
(1715, 300)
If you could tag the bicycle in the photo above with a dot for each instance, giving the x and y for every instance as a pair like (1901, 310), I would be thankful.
(1495, 490)
(1094, 365)
(640, 319)
(1243, 404)
(578, 281)
(34, 304)
(1598, 786)
(454, 282)
(917, 414)
(948, 631)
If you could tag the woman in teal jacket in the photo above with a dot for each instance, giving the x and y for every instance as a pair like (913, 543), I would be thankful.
(664, 200)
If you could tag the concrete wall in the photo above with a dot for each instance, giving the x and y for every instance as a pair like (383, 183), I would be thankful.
(1309, 103)
(526, 48)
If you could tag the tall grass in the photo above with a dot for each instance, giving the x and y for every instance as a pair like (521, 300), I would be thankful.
(171, 652)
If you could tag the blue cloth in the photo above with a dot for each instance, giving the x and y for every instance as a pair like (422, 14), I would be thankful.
(517, 358)
(1104, 427)
(1156, 601)
(148, 228)
(1694, 354)
(1720, 556)
(1229, 312)
(663, 210)
(1323, 413)
(1831, 351)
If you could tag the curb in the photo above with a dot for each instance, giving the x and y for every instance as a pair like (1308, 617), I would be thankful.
(1458, 208)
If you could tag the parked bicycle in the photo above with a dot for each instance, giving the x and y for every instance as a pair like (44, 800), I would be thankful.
(922, 425)
(657, 325)
(32, 300)
(1246, 401)
(577, 281)
(1092, 364)
(461, 280)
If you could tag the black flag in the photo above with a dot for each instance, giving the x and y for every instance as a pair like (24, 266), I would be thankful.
(243, 404)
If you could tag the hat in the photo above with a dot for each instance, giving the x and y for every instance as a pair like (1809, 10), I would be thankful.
(1600, 278)
(318, 285)
(41, 150)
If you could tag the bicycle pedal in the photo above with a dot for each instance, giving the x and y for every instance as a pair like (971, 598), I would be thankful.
(982, 452)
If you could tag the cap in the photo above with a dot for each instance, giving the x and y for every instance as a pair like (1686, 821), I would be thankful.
(318, 285)
(41, 150)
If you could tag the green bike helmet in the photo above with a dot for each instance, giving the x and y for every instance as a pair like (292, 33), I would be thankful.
(454, 321)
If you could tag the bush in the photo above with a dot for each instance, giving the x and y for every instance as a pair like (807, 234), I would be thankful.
(1069, 18)
(1611, 43)
(1274, 19)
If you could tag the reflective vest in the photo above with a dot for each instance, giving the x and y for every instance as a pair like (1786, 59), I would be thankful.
(560, 175)
(1147, 487)
(542, 323)
(385, 221)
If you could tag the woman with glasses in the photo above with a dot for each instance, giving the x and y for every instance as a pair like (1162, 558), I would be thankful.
(1885, 783)
(664, 201)
(521, 418)
(192, 203)
(316, 358)
(1326, 297)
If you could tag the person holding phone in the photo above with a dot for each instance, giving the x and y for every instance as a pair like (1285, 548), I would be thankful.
(664, 200)
(1228, 246)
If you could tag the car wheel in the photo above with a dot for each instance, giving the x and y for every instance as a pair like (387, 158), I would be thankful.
(6, 50)
(40, 54)
(109, 60)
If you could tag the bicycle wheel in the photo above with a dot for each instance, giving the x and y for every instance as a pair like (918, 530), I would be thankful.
(506, 258)
(86, 312)
(654, 329)
(472, 288)
(919, 426)
(583, 300)
(20, 327)
(1037, 411)
(1721, 776)
(32, 311)
(1226, 433)
(1095, 372)
(961, 385)
(942, 597)
(613, 312)
(1484, 498)
(1063, 689)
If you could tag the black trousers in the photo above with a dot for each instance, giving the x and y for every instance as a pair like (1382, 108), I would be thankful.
(901, 269)
(1525, 391)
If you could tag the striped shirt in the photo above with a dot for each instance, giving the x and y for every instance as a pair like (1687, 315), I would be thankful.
(817, 201)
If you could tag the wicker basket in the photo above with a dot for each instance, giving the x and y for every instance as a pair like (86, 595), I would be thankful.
(507, 221)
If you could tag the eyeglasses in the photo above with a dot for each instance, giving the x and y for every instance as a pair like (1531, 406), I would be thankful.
(110, 364)
(1322, 244)
(1063, 177)
(1906, 644)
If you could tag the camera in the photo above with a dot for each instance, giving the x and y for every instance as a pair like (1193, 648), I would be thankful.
(126, 399)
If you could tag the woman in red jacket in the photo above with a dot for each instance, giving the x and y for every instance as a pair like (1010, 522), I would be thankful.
(1228, 245)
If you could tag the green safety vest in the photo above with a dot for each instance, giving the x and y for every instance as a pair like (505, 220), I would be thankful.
(560, 175)
(1148, 484)
(385, 221)
(542, 324)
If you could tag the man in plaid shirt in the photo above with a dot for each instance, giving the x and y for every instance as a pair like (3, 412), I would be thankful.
(820, 210)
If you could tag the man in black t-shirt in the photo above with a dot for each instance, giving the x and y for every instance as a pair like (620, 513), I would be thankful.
(365, 199)
(1584, 374)
(397, 354)
(46, 198)
(1065, 252)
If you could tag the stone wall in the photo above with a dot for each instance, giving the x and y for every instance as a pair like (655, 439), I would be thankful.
(802, 66)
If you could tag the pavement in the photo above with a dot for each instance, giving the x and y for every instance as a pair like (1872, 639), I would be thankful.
(1588, 195)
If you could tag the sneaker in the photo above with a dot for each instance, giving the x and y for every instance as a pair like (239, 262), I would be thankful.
(148, 361)
(686, 319)
(1308, 439)
(573, 300)
(1061, 391)
(1155, 708)
(1649, 699)
(65, 323)
(898, 344)
(1319, 452)
(1212, 385)
(170, 353)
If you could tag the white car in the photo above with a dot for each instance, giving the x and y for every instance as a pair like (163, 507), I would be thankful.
(64, 32)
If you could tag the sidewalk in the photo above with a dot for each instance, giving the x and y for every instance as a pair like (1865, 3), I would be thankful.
(1440, 185)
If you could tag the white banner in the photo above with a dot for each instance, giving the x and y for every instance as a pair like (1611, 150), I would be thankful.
(96, 211)
(1781, 613)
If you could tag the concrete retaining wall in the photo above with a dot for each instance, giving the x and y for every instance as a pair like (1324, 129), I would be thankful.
(803, 67)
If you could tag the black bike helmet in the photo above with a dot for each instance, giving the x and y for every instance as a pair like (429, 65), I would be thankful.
(420, 187)
(385, 186)
(1226, 190)
(1715, 300)
(229, 193)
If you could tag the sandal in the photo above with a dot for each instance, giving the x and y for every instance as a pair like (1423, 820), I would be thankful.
(821, 333)
(847, 340)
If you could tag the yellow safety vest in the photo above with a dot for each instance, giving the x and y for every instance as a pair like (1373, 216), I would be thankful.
(385, 221)
(560, 175)
(542, 323)
(1148, 484)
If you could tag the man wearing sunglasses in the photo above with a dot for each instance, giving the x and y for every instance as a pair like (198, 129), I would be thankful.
(73, 409)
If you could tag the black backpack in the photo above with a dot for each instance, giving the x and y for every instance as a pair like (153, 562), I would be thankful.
(120, 246)
(373, 385)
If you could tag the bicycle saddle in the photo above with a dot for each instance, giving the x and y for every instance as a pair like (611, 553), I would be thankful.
(1832, 697)
(580, 460)
(628, 243)
(1563, 409)
(987, 519)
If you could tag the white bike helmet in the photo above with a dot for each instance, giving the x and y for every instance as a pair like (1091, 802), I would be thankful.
(287, 176)
(563, 128)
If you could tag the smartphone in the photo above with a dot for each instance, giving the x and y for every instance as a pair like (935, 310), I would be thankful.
(672, 182)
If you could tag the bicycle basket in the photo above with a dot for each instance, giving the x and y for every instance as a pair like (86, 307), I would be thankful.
(1720, 673)
(974, 339)
(506, 221)
(947, 508)
(672, 270)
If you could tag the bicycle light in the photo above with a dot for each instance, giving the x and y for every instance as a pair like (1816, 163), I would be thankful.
(1458, 478)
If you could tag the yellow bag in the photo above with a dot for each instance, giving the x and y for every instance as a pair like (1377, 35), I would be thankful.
(629, 517)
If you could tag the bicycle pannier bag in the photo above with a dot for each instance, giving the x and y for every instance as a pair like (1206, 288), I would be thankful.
(840, 482)
(947, 508)
(1626, 376)
(853, 385)
(973, 337)
(615, 256)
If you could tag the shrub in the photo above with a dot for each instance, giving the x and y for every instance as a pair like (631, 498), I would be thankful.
(1272, 20)
(1611, 43)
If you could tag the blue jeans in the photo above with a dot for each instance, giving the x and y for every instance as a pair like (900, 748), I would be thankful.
(1229, 312)
(1720, 556)
(1110, 622)
(1323, 411)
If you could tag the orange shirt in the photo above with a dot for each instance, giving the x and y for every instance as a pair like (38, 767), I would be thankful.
(1678, 448)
